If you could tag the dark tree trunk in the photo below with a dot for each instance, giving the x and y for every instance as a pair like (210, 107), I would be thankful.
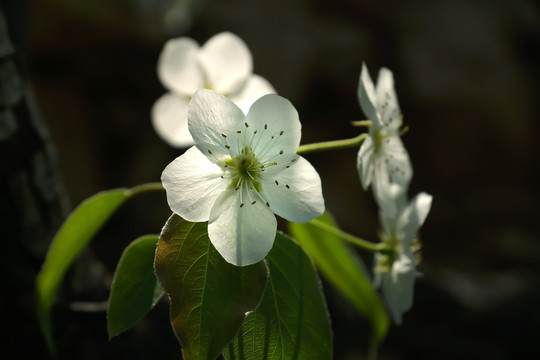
(33, 203)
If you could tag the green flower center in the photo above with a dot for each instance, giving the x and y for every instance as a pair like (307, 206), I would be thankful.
(245, 168)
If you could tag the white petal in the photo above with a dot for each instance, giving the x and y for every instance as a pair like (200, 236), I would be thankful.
(368, 97)
(178, 66)
(387, 103)
(255, 87)
(391, 205)
(413, 216)
(364, 162)
(242, 235)
(383, 192)
(227, 62)
(210, 117)
(399, 165)
(169, 117)
(193, 184)
(398, 286)
(294, 193)
(277, 124)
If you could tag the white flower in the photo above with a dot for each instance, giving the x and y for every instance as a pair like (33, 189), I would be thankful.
(382, 158)
(242, 170)
(395, 271)
(223, 64)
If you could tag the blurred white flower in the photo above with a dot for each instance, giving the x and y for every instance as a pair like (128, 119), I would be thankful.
(395, 270)
(223, 64)
(242, 170)
(382, 158)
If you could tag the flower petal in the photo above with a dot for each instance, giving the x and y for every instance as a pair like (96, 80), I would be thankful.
(211, 119)
(278, 127)
(193, 184)
(364, 162)
(413, 216)
(387, 103)
(294, 193)
(178, 67)
(255, 87)
(391, 204)
(398, 286)
(227, 62)
(399, 165)
(243, 235)
(383, 191)
(367, 97)
(169, 117)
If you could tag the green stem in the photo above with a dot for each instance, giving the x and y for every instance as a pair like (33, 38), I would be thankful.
(364, 244)
(332, 145)
(361, 123)
(136, 190)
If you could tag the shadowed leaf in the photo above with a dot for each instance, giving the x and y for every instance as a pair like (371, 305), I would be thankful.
(135, 289)
(78, 229)
(292, 321)
(343, 269)
(209, 297)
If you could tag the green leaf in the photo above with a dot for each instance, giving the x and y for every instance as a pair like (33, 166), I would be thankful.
(81, 226)
(292, 321)
(209, 297)
(342, 268)
(135, 289)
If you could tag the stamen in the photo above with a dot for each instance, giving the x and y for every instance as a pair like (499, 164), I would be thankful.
(253, 202)
(281, 152)
(246, 124)
(276, 182)
(287, 186)
(224, 135)
(281, 133)
(242, 204)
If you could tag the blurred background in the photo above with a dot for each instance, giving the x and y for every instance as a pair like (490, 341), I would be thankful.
(467, 78)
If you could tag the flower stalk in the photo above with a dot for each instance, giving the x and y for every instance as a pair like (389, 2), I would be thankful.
(361, 243)
(332, 145)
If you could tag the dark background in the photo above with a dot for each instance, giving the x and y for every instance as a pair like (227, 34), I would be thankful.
(467, 80)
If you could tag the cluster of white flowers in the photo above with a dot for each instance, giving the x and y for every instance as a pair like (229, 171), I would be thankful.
(223, 64)
(384, 162)
(243, 167)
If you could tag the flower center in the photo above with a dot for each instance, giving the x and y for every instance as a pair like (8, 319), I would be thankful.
(245, 168)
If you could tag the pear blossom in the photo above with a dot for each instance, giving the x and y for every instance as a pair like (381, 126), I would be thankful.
(223, 64)
(382, 158)
(395, 270)
(241, 171)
